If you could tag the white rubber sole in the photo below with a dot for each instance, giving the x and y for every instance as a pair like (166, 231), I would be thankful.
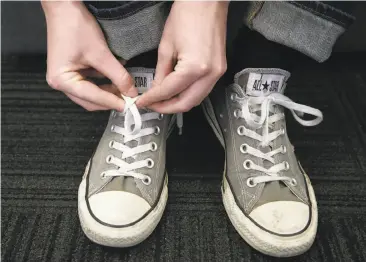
(263, 241)
(120, 237)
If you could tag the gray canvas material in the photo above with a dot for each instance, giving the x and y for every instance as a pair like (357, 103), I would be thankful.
(136, 34)
(295, 27)
(251, 197)
(292, 25)
(149, 192)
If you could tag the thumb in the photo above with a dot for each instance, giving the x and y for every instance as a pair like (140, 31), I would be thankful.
(109, 66)
(165, 63)
(164, 67)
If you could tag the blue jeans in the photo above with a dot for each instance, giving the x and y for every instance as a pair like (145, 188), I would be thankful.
(312, 28)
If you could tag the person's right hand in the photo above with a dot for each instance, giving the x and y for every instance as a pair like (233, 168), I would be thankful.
(76, 45)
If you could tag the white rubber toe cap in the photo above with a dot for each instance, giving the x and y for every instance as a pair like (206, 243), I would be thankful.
(282, 217)
(118, 207)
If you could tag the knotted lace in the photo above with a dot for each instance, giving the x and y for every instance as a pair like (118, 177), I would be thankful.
(259, 112)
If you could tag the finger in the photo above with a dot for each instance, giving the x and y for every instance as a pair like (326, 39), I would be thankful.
(122, 61)
(186, 100)
(173, 84)
(85, 104)
(111, 89)
(86, 90)
(91, 72)
(108, 65)
(165, 64)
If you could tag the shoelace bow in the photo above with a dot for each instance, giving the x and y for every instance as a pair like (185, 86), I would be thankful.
(132, 117)
(265, 105)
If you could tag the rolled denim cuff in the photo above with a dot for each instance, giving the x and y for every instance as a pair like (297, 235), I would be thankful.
(311, 28)
(135, 33)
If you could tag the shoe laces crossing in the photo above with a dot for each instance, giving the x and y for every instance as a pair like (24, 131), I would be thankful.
(132, 131)
(259, 112)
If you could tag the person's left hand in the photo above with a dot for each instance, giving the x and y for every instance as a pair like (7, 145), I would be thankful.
(191, 57)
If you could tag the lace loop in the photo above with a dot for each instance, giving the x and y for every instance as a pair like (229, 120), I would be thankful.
(267, 117)
(132, 113)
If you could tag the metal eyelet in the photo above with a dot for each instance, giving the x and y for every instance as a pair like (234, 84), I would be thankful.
(244, 148)
(250, 182)
(157, 130)
(287, 165)
(241, 130)
(146, 180)
(283, 149)
(149, 163)
(111, 143)
(233, 96)
(154, 146)
(109, 159)
(103, 175)
(247, 164)
(237, 113)
(293, 182)
(282, 131)
(112, 128)
(161, 116)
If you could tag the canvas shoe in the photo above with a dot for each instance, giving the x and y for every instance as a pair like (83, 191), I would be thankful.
(124, 189)
(266, 193)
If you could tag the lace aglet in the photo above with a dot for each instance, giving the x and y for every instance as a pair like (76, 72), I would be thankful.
(180, 123)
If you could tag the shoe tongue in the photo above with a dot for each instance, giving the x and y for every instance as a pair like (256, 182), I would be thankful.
(262, 81)
(143, 77)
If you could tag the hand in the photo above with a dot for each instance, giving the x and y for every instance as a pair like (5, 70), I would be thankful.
(76, 47)
(193, 45)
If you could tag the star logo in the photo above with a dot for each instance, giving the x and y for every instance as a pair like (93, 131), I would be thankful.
(265, 86)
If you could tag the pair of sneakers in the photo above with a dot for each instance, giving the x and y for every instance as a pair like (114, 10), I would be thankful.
(266, 193)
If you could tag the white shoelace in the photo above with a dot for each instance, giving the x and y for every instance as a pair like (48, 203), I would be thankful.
(132, 117)
(265, 105)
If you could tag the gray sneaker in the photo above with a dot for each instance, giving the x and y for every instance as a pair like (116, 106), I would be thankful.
(266, 193)
(124, 189)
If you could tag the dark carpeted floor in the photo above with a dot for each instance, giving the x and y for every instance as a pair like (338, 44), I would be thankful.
(47, 140)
